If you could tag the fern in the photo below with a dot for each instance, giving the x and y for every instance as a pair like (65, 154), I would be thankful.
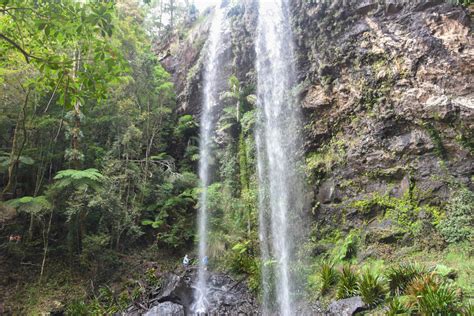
(76, 178)
(5, 160)
(30, 204)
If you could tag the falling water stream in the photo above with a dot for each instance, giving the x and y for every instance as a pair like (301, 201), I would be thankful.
(278, 142)
(210, 100)
(278, 139)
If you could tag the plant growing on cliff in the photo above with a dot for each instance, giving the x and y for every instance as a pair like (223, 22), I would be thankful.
(346, 249)
(403, 210)
(372, 288)
(328, 277)
(347, 285)
(457, 226)
(435, 136)
(401, 275)
(430, 295)
(325, 158)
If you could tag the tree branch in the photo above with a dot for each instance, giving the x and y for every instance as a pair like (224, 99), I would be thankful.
(18, 47)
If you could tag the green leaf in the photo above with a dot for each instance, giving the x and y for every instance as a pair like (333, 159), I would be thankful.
(147, 222)
(26, 160)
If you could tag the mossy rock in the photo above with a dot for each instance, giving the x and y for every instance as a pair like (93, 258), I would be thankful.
(384, 232)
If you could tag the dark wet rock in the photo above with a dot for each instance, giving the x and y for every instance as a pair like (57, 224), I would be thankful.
(347, 306)
(365, 6)
(326, 191)
(390, 81)
(226, 296)
(310, 310)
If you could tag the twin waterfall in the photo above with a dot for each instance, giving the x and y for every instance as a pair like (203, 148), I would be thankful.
(278, 143)
(210, 100)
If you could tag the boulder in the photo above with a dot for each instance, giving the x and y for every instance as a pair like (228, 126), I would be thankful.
(347, 307)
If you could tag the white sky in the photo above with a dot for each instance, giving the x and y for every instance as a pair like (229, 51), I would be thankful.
(203, 4)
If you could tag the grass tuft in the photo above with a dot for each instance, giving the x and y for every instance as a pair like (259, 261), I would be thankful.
(347, 285)
(372, 288)
(400, 276)
(328, 276)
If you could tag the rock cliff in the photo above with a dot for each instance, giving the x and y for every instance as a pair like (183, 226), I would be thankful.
(386, 91)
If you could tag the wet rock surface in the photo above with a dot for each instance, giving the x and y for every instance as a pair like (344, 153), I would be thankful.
(175, 297)
(347, 306)
(387, 100)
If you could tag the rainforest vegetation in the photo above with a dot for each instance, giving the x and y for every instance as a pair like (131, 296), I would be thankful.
(99, 179)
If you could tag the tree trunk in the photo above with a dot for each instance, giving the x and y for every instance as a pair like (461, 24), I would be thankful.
(45, 243)
(17, 148)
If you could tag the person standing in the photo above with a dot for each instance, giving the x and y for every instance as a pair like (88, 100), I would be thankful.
(186, 261)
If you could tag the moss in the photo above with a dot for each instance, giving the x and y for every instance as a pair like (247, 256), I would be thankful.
(326, 80)
(348, 184)
(394, 173)
(373, 96)
(327, 156)
(403, 210)
(435, 136)
(466, 139)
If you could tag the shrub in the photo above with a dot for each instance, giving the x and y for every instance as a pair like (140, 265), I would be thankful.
(241, 260)
(372, 288)
(328, 277)
(400, 276)
(346, 249)
(347, 286)
(431, 296)
(457, 226)
(437, 301)
(418, 285)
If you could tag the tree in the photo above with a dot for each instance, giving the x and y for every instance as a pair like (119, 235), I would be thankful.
(68, 55)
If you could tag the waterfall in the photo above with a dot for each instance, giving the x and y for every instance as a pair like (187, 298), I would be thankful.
(278, 143)
(210, 100)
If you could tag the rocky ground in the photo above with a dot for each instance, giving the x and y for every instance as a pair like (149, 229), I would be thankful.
(175, 296)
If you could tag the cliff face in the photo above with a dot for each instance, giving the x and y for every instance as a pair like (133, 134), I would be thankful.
(386, 92)
(388, 100)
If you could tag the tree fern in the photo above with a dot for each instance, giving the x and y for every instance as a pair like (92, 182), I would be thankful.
(76, 178)
(30, 204)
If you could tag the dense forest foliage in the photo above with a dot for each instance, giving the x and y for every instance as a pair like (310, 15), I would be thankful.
(98, 174)
(93, 158)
